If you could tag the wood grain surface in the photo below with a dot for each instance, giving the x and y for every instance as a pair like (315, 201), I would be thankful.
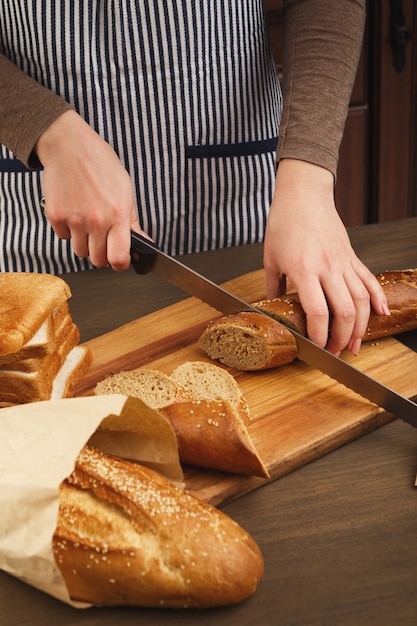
(298, 413)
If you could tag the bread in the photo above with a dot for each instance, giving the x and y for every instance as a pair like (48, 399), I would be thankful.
(126, 536)
(73, 369)
(206, 409)
(152, 386)
(210, 434)
(400, 288)
(27, 300)
(43, 341)
(208, 382)
(61, 341)
(248, 341)
(37, 339)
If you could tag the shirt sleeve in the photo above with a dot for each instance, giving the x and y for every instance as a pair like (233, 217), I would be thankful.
(322, 45)
(26, 110)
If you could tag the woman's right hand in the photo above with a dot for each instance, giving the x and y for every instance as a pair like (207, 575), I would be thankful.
(88, 193)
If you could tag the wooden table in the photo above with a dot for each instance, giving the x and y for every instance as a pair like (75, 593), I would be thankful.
(339, 536)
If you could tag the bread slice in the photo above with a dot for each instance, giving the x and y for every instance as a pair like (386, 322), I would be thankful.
(72, 371)
(27, 300)
(37, 384)
(31, 389)
(125, 535)
(206, 381)
(155, 388)
(67, 336)
(206, 409)
(248, 341)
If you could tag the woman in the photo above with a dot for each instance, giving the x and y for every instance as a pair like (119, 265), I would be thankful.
(163, 118)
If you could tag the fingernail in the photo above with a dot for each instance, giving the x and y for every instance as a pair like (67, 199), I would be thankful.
(386, 310)
(356, 346)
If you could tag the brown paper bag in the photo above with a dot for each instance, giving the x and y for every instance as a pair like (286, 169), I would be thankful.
(39, 443)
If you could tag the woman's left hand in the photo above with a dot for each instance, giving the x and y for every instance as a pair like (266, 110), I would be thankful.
(307, 243)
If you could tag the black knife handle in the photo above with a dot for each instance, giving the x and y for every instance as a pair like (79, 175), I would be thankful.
(142, 253)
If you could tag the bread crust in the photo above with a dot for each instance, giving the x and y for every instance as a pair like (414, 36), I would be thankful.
(36, 384)
(211, 434)
(400, 288)
(26, 301)
(248, 341)
(127, 536)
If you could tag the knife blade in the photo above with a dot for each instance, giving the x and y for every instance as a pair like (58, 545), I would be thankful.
(146, 256)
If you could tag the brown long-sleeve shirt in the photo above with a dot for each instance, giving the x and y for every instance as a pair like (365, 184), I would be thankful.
(321, 52)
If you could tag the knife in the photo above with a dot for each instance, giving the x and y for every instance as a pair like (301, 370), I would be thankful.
(146, 256)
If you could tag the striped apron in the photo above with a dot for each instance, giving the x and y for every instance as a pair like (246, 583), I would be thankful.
(185, 91)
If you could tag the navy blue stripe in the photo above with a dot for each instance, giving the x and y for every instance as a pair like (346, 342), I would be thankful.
(246, 148)
(14, 165)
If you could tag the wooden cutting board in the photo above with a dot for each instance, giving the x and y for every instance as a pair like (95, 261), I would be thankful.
(298, 414)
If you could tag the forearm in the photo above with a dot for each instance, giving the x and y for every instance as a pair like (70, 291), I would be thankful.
(26, 110)
(323, 40)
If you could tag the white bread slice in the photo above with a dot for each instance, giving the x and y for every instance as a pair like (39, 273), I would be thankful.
(19, 387)
(63, 385)
(66, 338)
(44, 340)
(72, 371)
(27, 300)
(41, 344)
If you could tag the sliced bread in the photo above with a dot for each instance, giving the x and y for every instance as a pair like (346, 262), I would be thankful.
(206, 381)
(155, 388)
(206, 409)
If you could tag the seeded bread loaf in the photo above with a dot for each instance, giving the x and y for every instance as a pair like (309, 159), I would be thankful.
(206, 409)
(248, 341)
(126, 536)
(400, 288)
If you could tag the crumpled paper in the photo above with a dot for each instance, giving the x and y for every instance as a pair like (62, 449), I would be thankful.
(39, 443)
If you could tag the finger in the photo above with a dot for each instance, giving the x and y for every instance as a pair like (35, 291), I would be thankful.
(61, 230)
(377, 295)
(118, 247)
(80, 244)
(315, 306)
(362, 302)
(349, 303)
(276, 283)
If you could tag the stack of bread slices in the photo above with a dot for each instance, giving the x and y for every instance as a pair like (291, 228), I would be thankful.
(40, 355)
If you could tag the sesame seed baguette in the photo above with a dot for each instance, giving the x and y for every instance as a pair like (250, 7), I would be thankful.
(249, 342)
(211, 434)
(206, 409)
(126, 536)
(400, 288)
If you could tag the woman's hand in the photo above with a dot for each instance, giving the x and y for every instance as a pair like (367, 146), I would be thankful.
(88, 193)
(307, 242)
